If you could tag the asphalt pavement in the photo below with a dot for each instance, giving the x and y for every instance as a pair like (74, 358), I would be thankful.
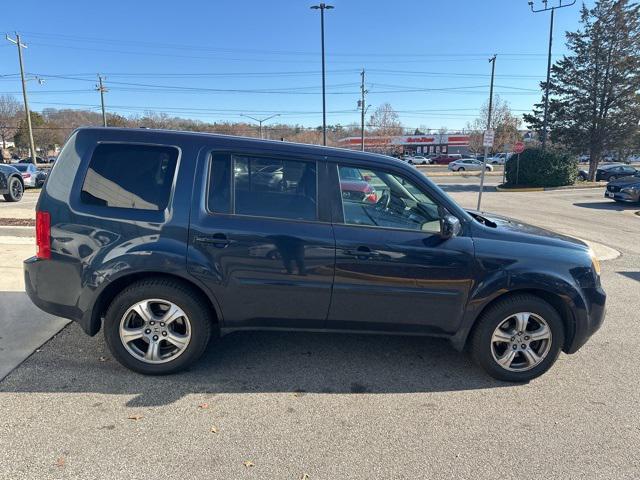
(294, 405)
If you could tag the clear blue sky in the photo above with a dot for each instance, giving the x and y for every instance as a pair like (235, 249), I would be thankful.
(205, 55)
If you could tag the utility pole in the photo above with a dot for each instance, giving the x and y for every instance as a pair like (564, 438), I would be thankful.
(546, 8)
(492, 60)
(260, 120)
(102, 89)
(322, 7)
(20, 46)
(363, 109)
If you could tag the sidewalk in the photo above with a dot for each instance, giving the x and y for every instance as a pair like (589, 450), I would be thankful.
(23, 327)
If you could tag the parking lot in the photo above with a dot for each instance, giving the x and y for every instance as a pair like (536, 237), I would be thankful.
(314, 406)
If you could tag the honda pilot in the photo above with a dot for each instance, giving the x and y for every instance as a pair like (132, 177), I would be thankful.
(164, 239)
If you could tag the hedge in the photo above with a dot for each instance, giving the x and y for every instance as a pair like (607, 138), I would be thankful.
(542, 169)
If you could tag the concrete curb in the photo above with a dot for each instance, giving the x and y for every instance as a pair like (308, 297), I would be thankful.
(10, 231)
(548, 189)
(460, 174)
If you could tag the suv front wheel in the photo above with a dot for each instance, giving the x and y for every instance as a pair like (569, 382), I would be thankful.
(518, 339)
(157, 327)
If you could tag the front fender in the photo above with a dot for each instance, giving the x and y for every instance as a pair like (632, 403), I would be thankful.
(507, 282)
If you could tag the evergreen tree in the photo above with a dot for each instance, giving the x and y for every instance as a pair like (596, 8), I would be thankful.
(594, 103)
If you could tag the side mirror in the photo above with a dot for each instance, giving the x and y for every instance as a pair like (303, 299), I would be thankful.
(450, 226)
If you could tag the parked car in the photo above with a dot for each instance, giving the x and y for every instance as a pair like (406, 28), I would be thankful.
(626, 189)
(445, 159)
(609, 172)
(11, 183)
(354, 185)
(168, 249)
(28, 160)
(468, 164)
(419, 160)
(31, 175)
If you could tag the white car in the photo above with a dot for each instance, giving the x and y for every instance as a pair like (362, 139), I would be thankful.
(419, 160)
(499, 159)
(468, 164)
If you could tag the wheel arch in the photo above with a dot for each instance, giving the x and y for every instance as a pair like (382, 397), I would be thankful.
(559, 303)
(110, 291)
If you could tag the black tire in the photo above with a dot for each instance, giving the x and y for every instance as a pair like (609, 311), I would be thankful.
(461, 169)
(15, 190)
(197, 310)
(481, 345)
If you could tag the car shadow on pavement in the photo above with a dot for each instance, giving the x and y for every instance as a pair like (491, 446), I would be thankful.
(256, 362)
(609, 205)
(632, 275)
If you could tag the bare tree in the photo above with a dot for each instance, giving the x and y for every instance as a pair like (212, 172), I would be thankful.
(385, 121)
(9, 108)
(503, 122)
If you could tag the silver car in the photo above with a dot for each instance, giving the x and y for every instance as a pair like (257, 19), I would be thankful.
(31, 175)
(469, 164)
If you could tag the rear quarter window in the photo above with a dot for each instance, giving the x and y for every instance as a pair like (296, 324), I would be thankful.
(130, 176)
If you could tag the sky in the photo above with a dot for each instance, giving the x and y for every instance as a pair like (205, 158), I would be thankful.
(215, 60)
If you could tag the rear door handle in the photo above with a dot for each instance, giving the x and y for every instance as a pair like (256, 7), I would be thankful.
(218, 240)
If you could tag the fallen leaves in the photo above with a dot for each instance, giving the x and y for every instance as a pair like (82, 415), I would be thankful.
(214, 429)
(203, 406)
(60, 462)
(103, 359)
(248, 464)
(135, 417)
(305, 476)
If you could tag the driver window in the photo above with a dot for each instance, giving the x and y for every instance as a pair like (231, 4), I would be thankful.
(381, 199)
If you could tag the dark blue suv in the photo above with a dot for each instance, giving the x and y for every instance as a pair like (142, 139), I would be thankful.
(163, 238)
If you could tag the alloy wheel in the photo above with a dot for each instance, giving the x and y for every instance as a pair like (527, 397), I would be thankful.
(155, 331)
(16, 189)
(521, 342)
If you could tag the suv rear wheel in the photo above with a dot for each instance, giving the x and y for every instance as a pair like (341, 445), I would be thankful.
(157, 326)
(16, 190)
(518, 339)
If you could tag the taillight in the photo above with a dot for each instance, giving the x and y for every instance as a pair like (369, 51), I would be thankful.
(43, 235)
(26, 175)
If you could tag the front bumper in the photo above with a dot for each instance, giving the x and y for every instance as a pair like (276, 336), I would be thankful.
(590, 322)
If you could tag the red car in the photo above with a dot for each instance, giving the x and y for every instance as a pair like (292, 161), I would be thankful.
(445, 159)
(355, 186)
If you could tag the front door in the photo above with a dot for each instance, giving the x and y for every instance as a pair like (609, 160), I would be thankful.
(257, 242)
(394, 270)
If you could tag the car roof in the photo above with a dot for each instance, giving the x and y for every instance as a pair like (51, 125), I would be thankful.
(250, 143)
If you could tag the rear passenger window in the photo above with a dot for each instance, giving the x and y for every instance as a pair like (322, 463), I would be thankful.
(262, 186)
(130, 176)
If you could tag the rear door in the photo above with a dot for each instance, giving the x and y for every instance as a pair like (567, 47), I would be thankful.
(394, 270)
(260, 239)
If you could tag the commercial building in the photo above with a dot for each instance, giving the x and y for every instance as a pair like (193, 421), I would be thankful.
(414, 144)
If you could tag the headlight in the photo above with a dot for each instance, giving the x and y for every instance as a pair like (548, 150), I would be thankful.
(631, 190)
(595, 263)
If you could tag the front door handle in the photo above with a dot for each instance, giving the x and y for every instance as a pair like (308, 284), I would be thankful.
(218, 240)
(363, 253)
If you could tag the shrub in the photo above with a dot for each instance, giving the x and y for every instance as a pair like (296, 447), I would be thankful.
(542, 169)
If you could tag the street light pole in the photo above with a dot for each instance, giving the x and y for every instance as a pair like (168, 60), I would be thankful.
(260, 120)
(20, 46)
(486, 148)
(545, 120)
(322, 7)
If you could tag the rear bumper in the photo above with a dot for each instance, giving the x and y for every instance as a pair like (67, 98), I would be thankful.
(50, 294)
(591, 322)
